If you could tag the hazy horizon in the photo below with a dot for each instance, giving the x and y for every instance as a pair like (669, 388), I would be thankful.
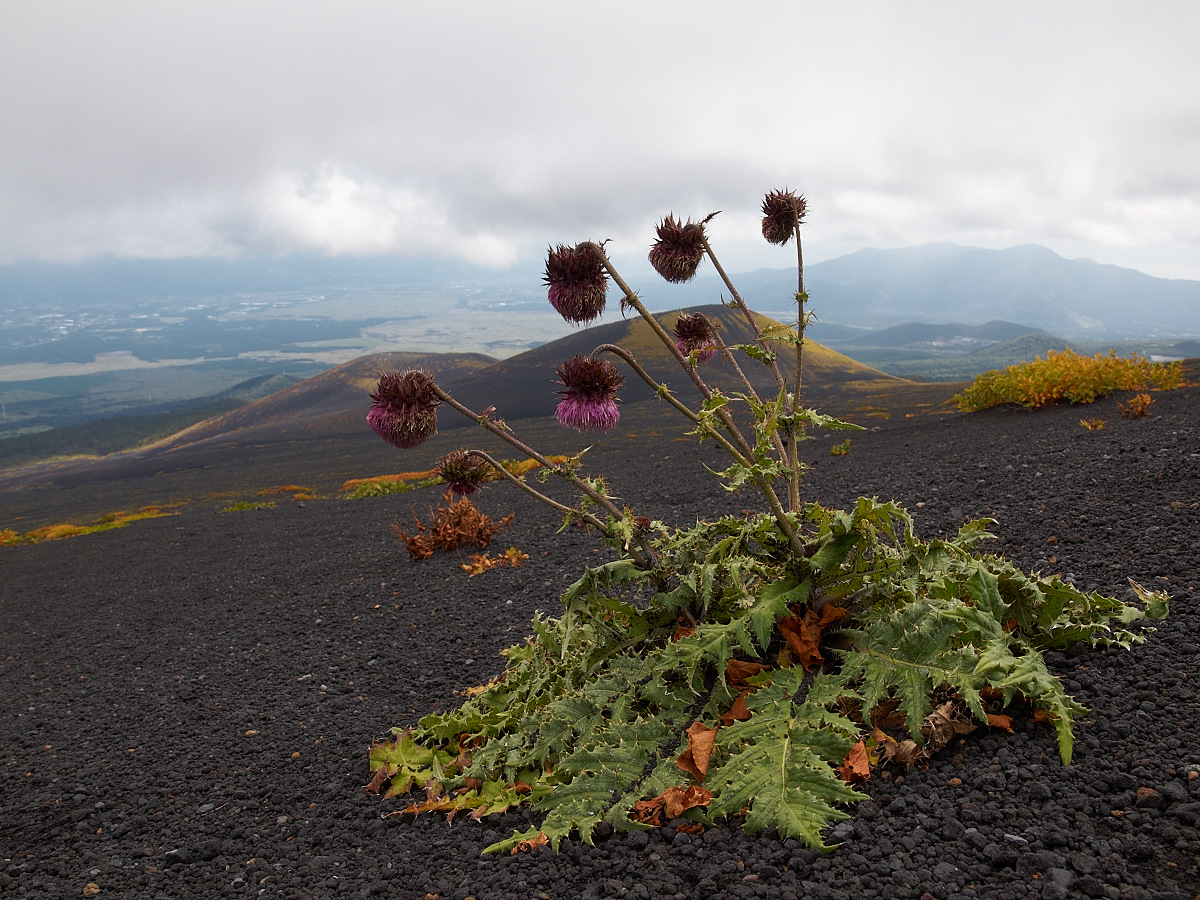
(138, 130)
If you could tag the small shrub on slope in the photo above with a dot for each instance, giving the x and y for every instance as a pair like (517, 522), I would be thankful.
(458, 522)
(1065, 375)
(1138, 407)
(747, 667)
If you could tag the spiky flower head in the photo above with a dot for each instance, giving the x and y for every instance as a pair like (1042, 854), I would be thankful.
(782, 212)
(679, 249)
(589, 401)
(405, 409)
(576, 282)
(463, 471)
(696, 332)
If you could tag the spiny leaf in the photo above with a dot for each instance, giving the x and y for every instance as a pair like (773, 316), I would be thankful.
(781, 767)
(909, 654)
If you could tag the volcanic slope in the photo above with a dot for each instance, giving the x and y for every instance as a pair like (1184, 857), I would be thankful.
(523, 386)
(313, 434)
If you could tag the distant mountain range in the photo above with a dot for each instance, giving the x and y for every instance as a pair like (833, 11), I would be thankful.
(314, 433)
(84, 342)
(1077, 299)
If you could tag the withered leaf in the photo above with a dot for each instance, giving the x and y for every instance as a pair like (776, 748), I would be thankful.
(803, 636)
(527, 845)
(738, 670)
(670, 804)
(887, 714)
(678, 800)
(996, 720)
(694, 760)
(801, 641)
(738, 712)
(648, 812)
(857, 765)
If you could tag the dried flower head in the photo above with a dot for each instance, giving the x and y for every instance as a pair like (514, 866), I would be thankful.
(576, 282)
(679, 249)
(405, 409)
(782, 212)
(695, 332)
(589, 402)
(463, 471)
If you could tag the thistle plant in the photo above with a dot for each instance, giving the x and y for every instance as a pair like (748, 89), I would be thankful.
(750, 667)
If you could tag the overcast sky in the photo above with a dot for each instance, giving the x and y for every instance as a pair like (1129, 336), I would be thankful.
(486, 130)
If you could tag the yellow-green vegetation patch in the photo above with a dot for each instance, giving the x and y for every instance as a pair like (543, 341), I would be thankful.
(400, 483)
(297, 492)
(1067, 375)
(249, 504)
(10, 538)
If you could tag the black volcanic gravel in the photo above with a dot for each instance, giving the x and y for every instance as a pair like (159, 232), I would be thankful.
(188, 702)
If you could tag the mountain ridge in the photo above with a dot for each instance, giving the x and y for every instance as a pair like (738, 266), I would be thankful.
(1029, 284)
(314, 433)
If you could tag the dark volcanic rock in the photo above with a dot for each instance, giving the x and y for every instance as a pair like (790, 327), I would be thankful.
(188, 702)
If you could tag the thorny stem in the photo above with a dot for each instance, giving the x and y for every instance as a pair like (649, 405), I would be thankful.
(789, 454)
(780, 447)
(741, 304)
(762, 483)
(561, 471)
(793, 433)
(662, 391)
(633, 300)
(536, 494)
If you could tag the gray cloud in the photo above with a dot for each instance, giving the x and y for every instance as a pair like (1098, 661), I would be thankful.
(486, 130)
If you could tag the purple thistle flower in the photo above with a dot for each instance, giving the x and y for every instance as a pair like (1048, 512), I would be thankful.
(576, 282)
(782, 212)
(405, 409)
(589, 402)
(695, 332)
(679, 249)
(462, 471)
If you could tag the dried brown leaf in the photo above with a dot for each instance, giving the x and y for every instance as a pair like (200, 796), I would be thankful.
(526, 846)
(857, 765)
(694, 760)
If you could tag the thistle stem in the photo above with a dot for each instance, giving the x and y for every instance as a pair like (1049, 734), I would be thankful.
(536, 494)
(705, 391)
(642, 559)
(507, 436)
(741, 304)
(763, 484)
(789, 455)
(780, 447)
(662, 391)
(793, 432)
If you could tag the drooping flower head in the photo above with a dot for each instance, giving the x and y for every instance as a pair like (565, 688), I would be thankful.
(462, 471)
(589, 401)
(405, 409)
(782, 212)
(679, 249)
(694, 331)
(576, 282)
